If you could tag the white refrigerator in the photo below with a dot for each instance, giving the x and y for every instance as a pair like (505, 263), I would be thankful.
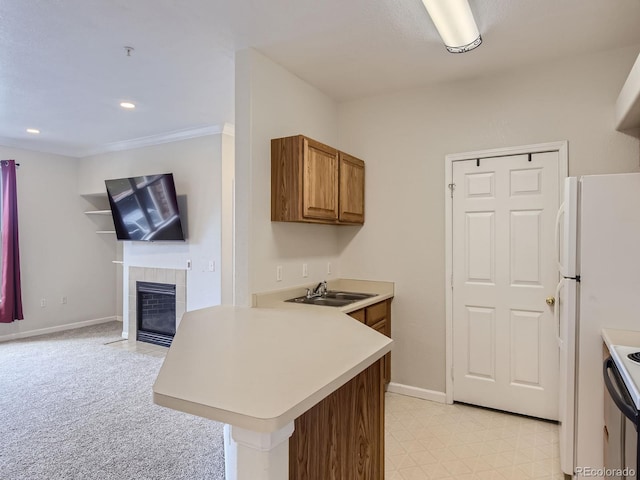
(598, 233)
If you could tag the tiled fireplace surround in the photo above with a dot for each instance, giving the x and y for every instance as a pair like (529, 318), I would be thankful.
(156, 275)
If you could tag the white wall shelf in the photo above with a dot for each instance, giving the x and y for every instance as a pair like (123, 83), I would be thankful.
(102, 215)
(98, 212)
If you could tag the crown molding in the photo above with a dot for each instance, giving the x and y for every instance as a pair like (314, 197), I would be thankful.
(69, 151)
(151, 140)
(40, 147)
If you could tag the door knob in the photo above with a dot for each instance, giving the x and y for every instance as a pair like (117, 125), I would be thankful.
(551, 301)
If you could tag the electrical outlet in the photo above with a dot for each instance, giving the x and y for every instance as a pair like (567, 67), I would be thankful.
(328, 268)
(212, 265)
(279, 273)
(63, 300)
(305, 270)
(188, 264)
(43, 302)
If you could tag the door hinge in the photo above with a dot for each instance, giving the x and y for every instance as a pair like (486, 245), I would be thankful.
(451, 187)
(451, 373)
(451, 281)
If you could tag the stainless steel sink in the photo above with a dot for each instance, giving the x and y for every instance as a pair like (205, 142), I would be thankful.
(349, 295)
(332, 298)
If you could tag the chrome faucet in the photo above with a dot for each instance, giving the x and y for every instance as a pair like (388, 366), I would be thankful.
(320, 290)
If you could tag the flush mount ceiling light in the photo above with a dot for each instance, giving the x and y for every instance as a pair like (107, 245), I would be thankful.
(455, 24)
(35, 131)
(127, 105)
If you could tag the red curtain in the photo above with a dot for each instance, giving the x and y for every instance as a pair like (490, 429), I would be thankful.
(11, 292)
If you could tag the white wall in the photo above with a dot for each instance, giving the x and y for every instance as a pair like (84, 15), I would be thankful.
(226, 224)
(404, 137)
(272, 103)
(60, 253)
(196, 166)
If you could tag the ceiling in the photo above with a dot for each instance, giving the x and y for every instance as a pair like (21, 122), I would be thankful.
(64, 68)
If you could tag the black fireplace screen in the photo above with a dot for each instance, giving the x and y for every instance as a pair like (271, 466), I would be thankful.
(156, 312)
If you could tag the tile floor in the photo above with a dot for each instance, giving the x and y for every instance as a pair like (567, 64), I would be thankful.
(429, 440)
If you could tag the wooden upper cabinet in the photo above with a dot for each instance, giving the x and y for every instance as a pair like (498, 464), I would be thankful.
(315, 183)
(319, 181)
(351, 189)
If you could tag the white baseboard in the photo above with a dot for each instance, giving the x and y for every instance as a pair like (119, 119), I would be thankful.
(58, 328)
(423, 393)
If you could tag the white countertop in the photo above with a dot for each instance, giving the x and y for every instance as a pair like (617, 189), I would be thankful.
(261, 368)
(612, 336)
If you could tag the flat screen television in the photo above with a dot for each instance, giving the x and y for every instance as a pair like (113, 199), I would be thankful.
(145, 208)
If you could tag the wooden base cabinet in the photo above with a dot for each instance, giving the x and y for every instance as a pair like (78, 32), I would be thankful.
(378, 317)
(314, 183)
(342, 437)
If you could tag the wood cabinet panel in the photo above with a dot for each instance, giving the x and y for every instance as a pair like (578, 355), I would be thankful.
(320, 181)
(366, 422)
(377, 312)
(314, 183)
(359, 315)
(383, 327)
(378, 317)
(342, 437)
(351, 189)
(286, 178)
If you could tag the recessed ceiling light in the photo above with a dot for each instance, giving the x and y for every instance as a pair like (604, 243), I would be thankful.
(35, 131)
(128, 105)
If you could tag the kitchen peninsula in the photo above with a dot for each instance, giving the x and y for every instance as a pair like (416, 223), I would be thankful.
(259, 370)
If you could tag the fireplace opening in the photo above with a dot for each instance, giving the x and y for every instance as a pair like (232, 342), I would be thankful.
(156, 312)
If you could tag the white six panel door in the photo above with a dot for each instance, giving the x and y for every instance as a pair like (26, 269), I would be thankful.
(505, 350)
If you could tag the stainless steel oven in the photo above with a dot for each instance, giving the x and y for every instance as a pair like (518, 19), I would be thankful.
(621, 427)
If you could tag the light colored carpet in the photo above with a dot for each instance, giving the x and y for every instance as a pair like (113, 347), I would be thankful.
(72, 407)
